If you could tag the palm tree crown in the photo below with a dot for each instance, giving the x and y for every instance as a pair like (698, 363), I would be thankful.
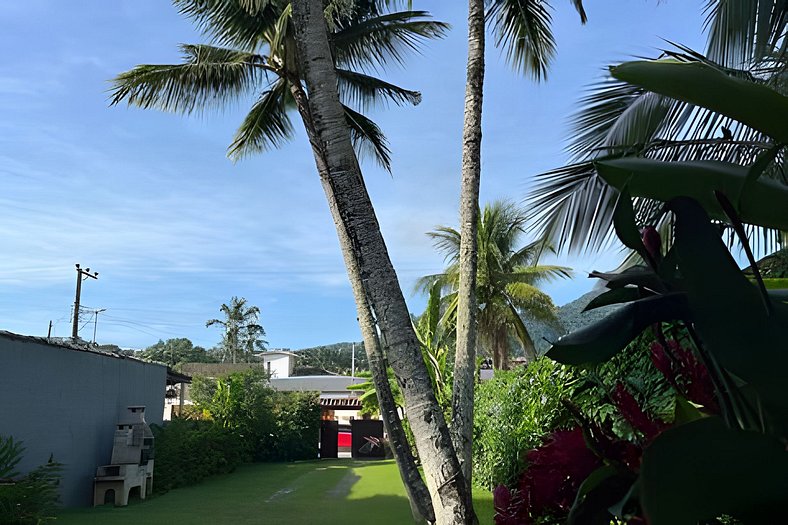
(243, 334)
(252, 52)
(507, 279)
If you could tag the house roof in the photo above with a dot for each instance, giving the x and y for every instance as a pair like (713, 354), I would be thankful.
(316, 383)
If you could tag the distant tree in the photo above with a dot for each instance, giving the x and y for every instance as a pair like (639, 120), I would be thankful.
(174, 351)
(336, 359)
(243, 335)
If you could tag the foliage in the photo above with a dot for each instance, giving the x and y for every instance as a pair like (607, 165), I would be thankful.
(30, 499)
(10, 455)
(243, 335)
(506, 280)
(189, 451)
(745, 41)
(252, 52)
(706, 465)
(369, 398)
(435, 352)
(176, 351)
(330, 359)
(241, 402)
(434, 341)
(274, 426)
(296, 426)
(512, 412)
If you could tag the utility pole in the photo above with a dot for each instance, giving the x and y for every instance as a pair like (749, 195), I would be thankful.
(81, 276)
(95, 321)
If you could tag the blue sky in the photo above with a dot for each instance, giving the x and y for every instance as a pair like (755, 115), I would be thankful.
(174, 228)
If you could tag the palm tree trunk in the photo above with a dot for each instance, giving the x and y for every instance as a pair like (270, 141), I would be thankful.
(418, 495)
(345, 190)
(465, 358)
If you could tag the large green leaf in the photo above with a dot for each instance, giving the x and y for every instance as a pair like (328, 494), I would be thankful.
(614, 296)
(701, 470)
(755, 105)
(765, 202)
(605, 338)
(743, 336)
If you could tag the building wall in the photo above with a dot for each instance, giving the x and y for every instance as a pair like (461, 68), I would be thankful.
(66, 403)
(279, 366)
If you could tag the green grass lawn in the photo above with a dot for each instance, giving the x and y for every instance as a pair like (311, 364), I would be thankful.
(312, 492)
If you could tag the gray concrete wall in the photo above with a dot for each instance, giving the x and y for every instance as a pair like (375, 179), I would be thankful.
(66, 402)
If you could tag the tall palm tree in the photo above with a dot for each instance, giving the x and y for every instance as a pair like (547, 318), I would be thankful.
(508, 276)
(745, 38)
(522, 28)
(252, 51)
(371, 273)
(243, 335)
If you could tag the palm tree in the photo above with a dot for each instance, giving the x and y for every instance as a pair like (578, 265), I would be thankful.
(243, 335)
(575, 207)
(253, 50)
(522, 28)
(508, 276)
(371, 273)
(252, 53)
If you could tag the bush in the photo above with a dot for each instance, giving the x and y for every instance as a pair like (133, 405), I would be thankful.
(246, 420)
(29, 499)
(512, 413)
(297, 423)
(189, 451)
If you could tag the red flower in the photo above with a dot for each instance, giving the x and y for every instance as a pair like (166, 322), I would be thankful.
(686, 374)
(555, 473)
(629, 408)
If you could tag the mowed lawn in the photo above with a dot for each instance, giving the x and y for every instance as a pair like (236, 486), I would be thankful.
(312, 492)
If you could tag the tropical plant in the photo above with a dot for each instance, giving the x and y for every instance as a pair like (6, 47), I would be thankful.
(435, 347)
(707, 465)
(508, 275)
(379, 300)
(514, 410)
(28, 499)
(574, 207)
(523, 29)
(365, 38)
(251, 52)
(243, 335)
(435, 352)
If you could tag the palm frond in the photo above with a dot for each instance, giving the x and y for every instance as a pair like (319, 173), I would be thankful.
(523, 29)
(537, 274)
(578, 5)
(447, 241)
(237, 23)
(743, 31)
(267, 124)
(365, 91)
(530, 299)
(368, 139)
(374, 43)
(573, 208)
(209, 76)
